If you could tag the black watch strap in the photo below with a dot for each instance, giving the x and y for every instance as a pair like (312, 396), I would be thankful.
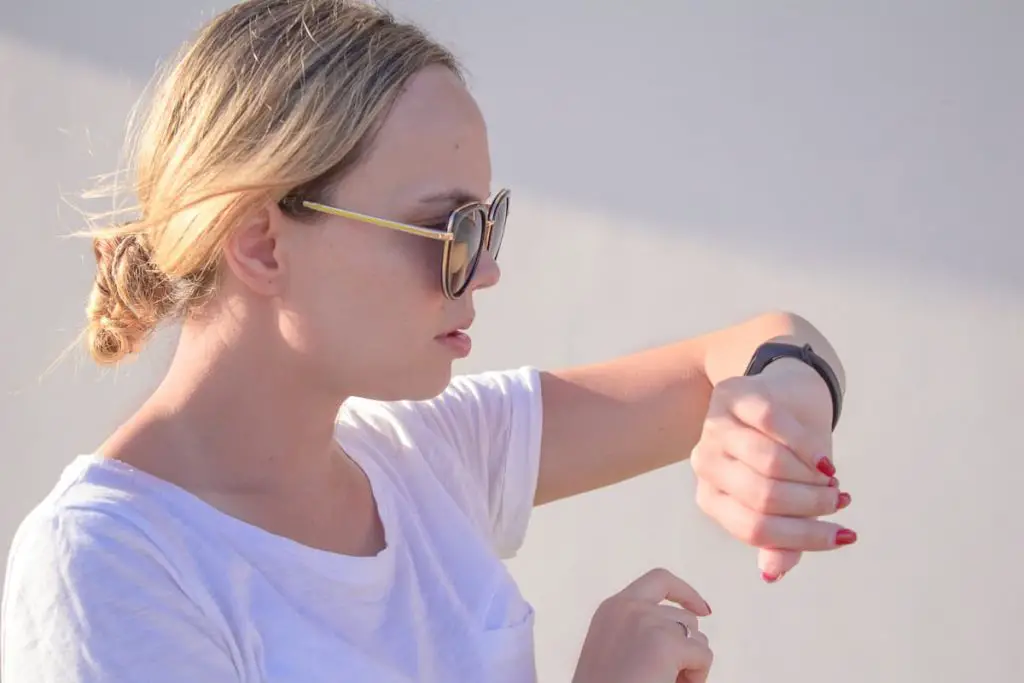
(770, 352)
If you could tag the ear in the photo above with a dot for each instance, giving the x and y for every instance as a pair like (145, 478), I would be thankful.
(253, 253)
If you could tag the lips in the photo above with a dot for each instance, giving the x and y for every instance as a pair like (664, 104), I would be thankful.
(457, 342)
(457, 330)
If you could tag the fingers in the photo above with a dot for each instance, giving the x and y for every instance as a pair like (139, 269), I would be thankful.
(756, 491)
(693, 655)
(634, 636)
(764, 467)
(660, 584)
(762, 453)
(680, 616)
(770, 531)
(750, 403)
(693, 659)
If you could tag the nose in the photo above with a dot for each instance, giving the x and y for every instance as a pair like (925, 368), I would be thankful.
(487, 274)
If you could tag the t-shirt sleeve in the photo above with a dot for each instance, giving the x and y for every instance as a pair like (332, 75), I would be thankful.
(493, 421)
(481, 439)
(88, 599)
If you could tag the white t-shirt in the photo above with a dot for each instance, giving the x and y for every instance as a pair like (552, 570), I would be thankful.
(120, 577)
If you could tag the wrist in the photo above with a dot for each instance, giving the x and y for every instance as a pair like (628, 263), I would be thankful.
(804, 333)
(788, 366)
(786, 359)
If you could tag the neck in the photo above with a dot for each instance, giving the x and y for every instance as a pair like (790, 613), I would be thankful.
(237, 418)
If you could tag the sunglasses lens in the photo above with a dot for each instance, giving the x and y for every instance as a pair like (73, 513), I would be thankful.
(499, 213)
(464, 250)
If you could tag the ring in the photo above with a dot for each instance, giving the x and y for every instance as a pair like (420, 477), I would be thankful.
(686, 629)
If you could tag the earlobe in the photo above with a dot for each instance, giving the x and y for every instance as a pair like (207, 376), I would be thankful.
(253, 254)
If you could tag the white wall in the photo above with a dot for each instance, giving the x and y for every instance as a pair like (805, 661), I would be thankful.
(676, 166)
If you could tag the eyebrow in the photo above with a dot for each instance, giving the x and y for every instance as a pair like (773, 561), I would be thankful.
(451, 197)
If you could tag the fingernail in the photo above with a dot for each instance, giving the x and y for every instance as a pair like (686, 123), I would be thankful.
(771, 578)
(833, 482)
(844, 500)
(846, 537)
(706, 605)
(826, 467)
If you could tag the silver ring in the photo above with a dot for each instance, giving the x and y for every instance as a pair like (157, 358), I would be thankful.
(686, 629)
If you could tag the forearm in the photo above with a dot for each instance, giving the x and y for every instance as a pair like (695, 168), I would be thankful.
(672, 384)
(612, 421)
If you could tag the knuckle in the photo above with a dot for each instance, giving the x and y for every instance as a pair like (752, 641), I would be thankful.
(767, 496)
(758, 491)
(760, 411)
(753, 496)
(697, 458)
(731, 387)
(828, 500)
(716, 422)
(757, 530)
(743, 526)
(664, 637)
(775, 460)
(659, 575)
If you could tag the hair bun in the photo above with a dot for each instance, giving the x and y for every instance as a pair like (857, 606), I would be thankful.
(129, 296)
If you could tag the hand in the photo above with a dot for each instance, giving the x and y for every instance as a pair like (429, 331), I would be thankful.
(764, 464)
(634, 638)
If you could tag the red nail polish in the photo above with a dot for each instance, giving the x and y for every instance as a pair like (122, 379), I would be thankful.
(833, 482)
(771, 578)
(846, 537)
(826, 467)
(844, 500)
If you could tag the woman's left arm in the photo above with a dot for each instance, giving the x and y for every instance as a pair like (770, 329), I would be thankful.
(607, 422)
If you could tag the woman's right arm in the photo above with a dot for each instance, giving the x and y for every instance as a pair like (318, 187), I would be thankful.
(88, 599)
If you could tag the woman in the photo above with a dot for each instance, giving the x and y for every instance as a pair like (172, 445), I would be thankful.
(309, 495)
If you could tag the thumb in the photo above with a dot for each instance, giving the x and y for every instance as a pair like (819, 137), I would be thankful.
(775, 563)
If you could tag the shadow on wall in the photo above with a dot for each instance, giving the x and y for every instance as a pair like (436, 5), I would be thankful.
(884, 134)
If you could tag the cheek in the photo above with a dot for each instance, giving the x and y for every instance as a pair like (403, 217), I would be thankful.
(365, 299)
(402, 268)
(363, 321)
(421, 259)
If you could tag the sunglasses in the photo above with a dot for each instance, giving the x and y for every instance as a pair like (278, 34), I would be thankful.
(470, 229)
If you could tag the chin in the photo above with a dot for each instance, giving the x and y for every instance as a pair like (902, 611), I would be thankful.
(430, 384)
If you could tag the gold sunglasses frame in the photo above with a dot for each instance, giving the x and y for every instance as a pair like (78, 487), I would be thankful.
(447, 236)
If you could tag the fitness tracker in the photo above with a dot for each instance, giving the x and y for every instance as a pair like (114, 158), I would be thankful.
(770, 352)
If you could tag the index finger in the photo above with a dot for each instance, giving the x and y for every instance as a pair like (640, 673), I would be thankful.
(661, 584)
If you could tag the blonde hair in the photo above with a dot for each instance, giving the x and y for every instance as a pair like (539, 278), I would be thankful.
(273, 99)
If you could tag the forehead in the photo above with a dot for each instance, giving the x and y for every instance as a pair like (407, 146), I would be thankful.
(433, 141)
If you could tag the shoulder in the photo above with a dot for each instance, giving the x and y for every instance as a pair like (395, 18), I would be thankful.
(96, 590)
(466, 401)
(479, 440)
(97, 529)
(78, 529)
